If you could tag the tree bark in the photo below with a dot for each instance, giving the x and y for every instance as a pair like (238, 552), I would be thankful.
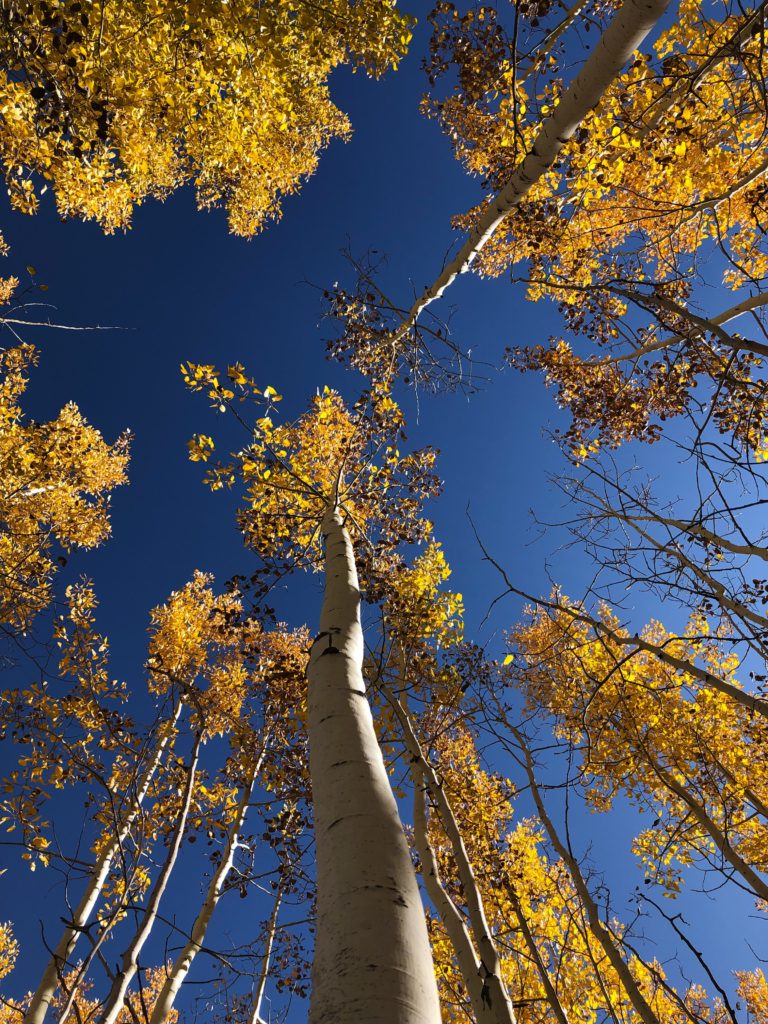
(466, 957)
(494, 994)
(129, 966)
(629, 27)
(41, 1000)
(596, 926)
(183, 964)
(372, 960)
(269, 941)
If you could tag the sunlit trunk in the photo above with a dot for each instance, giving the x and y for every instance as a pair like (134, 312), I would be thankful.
(466, 958)
(269, 941)
(130, 961)
(60, 959)
(629, 27)
(372, 959)
(494, 999)
(183, 964)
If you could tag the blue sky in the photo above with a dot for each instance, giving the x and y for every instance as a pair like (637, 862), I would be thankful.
(180, 288)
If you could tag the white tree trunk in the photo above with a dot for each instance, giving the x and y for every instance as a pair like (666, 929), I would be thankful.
(372, 960)
(466, 957)
(629, 27)
(41, 1000)
(183, 964)
(596, 926)
(493, 994)
(124, 977)
(269, 941)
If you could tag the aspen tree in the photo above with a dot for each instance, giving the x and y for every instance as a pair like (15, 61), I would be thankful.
(274, 653)
(423, 629)
(310, 486)
(130, 959)
(643, 169)
(192, 644)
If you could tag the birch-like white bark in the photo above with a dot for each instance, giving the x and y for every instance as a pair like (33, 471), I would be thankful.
(706, 323)
(185, 959)
(466, 957)
(372, 961)
(65, 947)
(494, 992)
(269, 942)
(627, 30)
(596, 926)
(130, 962)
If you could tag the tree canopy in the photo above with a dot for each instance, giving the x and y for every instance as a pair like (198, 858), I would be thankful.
(332, 736)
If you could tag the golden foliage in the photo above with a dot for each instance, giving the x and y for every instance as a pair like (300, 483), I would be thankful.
(753, 989)
(521, 884)
(115, 103)
(655, 733)
(9, 949)
(644, 168)
(56, 482)
(330, 457)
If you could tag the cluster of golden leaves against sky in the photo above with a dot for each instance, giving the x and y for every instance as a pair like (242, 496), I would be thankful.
(56, 482)
(632, 719)
(701, 148)
(112, 103)
(223, 665)
(69, 726)
(293, 473)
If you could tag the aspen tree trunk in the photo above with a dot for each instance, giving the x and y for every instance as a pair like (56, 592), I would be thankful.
(182, 966)
(493, 991)
(41, 1000)
(552, 997)
(466, 957)
(129, 966)
(372, 960)
(596, 926)
(629, 27)
(698, 811)
(269, 941)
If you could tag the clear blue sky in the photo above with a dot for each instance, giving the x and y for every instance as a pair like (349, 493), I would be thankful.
(183, 289)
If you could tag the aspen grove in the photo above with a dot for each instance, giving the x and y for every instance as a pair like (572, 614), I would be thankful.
(302, 717)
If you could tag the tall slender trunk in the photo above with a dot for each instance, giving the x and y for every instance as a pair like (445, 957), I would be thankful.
(58, 962)
(494, 994)
(269, 941)
(533, 950)
(130, 962)
(596, 926)
(183, 964)
(629, 27)
(464, 951)
(372, 959)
